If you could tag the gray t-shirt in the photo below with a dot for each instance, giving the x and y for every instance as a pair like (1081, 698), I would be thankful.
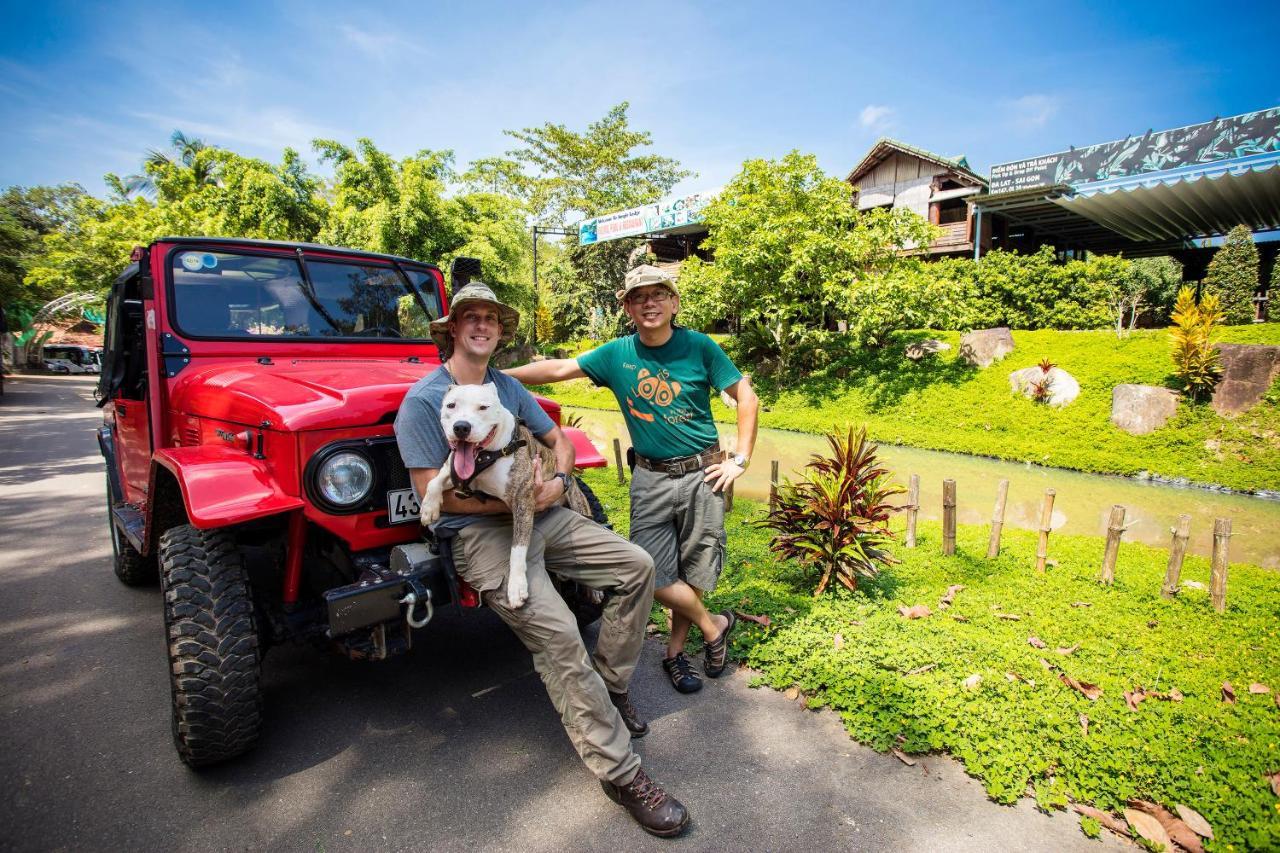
(422, 441)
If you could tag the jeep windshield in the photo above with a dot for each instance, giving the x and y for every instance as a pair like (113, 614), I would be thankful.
(232, 294)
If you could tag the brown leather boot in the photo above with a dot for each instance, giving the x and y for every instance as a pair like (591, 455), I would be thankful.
(657, 812)
(630, 716)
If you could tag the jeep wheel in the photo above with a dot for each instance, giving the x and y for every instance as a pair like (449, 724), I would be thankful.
(131, 567)
(213, 645)
(598, 515)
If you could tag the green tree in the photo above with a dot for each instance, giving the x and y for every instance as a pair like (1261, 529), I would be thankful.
(560, 174)
(403, 207)
(492, 229)
(383, 205)
(566, 173)
(793, 256)
(188, 157)
(1158, 280)
(26, 216)
(252, 198)
(1233, 275)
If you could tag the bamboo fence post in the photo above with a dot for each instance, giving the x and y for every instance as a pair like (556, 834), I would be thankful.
(617, 460)
(1046, 520)
(773, 484)
(1115, 529)
(997, 520)
(948, 517)
(913, 509)
(1177, 550)
(1218, 575)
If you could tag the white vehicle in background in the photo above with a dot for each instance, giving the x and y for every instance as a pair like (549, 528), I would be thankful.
(70, 358)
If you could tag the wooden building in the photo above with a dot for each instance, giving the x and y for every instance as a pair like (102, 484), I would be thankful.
(940, 189)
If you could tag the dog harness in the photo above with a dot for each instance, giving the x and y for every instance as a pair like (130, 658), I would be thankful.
(485, 460)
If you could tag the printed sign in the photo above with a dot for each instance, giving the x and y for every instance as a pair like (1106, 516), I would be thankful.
(1209, 142)
(668, 214)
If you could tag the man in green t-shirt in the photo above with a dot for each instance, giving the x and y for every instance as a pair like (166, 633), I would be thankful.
(663, 377)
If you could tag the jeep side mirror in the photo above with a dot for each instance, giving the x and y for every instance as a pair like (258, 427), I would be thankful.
(461, 271)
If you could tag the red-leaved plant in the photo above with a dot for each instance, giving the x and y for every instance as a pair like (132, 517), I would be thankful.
(835, 518)
(1041, 388)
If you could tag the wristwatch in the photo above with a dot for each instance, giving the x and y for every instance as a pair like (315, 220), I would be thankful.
(740, 460)
(564, 479)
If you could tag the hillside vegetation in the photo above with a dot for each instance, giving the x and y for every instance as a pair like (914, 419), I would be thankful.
(942, 403)
(988, 679)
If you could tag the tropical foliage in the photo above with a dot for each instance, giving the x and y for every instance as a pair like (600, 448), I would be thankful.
(1195, 360)
(835, 518)
(1233, 275)
(900, 683)
(793, 259)
(59, 240)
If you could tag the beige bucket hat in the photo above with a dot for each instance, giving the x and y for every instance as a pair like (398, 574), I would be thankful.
(643, 276)
(475, 291)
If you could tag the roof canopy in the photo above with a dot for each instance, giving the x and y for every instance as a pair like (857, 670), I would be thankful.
(1150, 193)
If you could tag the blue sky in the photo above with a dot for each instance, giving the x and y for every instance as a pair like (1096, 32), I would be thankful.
(85, 90)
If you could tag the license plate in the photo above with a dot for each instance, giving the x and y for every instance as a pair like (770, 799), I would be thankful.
(402, 506)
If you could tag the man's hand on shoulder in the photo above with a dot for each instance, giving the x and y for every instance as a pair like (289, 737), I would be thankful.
(546, 371)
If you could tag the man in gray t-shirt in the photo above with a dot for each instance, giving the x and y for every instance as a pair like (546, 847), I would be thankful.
(590, 693)
(423, 443)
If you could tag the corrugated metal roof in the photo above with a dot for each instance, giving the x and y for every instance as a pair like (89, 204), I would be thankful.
(1190, 202)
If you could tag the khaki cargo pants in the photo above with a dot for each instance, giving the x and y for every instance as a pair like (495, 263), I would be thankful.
(581, 550)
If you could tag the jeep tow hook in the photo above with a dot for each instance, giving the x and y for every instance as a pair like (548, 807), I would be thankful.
(417, 593)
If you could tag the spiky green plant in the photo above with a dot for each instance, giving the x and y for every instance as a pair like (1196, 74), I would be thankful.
(1195, 360)
(835, 517)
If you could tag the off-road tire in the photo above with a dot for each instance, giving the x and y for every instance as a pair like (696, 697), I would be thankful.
(214, 660)
(598, 515)
(130, 566)
(584, 610)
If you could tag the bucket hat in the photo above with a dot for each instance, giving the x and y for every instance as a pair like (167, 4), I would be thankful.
(474, 292)
(643, 276)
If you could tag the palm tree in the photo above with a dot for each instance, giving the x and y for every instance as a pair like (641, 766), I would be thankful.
(184, 153)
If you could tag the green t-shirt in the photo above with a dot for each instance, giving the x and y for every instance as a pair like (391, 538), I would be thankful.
(664, 392)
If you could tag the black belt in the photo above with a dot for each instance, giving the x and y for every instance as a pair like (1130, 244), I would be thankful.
(681, 465)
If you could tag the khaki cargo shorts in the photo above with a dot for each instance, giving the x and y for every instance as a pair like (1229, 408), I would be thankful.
(680, 522)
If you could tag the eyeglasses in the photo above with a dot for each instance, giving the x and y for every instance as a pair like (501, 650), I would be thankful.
(656, 296)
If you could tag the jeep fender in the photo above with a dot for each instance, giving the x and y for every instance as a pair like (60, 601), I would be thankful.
(223, 485)
(585, 452)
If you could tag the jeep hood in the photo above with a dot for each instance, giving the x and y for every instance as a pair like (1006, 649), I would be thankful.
(297, 394)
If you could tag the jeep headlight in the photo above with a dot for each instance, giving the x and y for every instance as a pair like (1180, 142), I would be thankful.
(345, 479)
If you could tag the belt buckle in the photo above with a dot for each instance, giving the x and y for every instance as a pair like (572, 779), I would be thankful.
(673, 469)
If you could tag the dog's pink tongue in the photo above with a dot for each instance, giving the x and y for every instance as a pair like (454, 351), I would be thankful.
(464, 459)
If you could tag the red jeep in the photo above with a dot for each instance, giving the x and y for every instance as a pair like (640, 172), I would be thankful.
(249, 390)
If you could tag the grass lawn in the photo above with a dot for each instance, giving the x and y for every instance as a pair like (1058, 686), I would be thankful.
(944, 404)
(900, 683)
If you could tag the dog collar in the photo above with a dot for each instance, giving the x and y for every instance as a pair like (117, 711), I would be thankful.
(485, 460)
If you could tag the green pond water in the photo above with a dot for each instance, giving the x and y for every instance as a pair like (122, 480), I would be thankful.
(1082, 504)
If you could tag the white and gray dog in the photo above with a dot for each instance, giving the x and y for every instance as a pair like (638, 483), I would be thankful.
(486, 458)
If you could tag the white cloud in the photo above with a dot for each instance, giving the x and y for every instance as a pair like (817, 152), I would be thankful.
(378, 45)
(268, 128)
(1031, 112)
(875, 116)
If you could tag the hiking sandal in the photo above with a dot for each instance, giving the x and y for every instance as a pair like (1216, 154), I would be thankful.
(717, 651)
(682, 674)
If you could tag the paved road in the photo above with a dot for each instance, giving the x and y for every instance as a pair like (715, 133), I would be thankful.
(452, 747)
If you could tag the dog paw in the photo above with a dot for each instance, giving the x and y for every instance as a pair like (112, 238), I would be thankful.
(517, 592)
(430, 513)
